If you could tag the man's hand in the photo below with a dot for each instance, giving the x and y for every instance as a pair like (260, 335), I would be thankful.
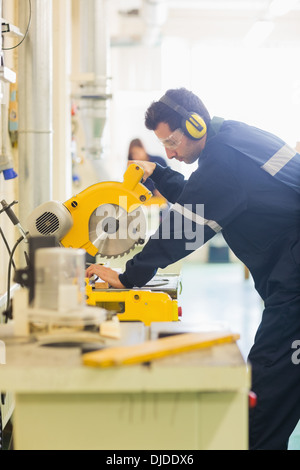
(106, 274)
(148, 167)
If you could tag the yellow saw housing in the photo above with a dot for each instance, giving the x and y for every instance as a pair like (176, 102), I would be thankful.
(129, 195)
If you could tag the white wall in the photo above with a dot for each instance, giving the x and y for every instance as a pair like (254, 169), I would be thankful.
(258, 86)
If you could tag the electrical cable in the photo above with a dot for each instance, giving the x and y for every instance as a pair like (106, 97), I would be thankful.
(6, 313)
(6, 244)
(1, 430)
(26, 32)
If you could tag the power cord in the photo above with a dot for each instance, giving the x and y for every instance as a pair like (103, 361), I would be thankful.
(1, 430)
(26, 32)
(14, 219)
(8, 312)
(6, 244)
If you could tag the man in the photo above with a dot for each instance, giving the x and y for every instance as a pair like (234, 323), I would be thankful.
(248, 182)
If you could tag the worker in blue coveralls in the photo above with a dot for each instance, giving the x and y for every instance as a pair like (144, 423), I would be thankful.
(248, 182)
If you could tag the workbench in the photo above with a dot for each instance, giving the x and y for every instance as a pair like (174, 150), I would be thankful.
(194, 400)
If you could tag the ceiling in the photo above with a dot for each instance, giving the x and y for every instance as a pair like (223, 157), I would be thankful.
(213, 22)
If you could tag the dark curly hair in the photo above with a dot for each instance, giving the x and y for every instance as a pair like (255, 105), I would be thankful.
(160, 112)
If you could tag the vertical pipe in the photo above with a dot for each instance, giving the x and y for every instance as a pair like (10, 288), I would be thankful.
(1, 94)
(94, 62)
(62, 49)
(35, 107)
(1, 1)
(1, 55)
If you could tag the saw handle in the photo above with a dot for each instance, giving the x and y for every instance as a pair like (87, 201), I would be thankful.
(133, 176)
(146, 167)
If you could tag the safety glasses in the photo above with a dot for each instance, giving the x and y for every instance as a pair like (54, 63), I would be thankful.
(173, 140)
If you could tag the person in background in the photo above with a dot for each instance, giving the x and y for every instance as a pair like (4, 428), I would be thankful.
(247, 185)
(138, 152)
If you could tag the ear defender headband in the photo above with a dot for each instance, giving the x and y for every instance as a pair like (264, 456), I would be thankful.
(192, 124)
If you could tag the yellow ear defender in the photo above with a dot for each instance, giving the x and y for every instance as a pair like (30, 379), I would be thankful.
(192, 124)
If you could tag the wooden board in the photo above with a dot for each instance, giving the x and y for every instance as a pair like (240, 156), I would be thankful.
(101, 285)
(151, 350)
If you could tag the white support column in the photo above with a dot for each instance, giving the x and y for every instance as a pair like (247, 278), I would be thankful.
(62, 51)
(35, 106)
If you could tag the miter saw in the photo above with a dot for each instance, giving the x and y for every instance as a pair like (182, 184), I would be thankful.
(108, 219)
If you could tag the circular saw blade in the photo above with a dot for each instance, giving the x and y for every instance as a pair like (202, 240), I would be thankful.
(114, 231)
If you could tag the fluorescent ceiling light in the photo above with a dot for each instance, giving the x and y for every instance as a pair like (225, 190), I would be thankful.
(281, 7)
(258, 33)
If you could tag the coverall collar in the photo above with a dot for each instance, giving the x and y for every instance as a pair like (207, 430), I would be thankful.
(212, 129)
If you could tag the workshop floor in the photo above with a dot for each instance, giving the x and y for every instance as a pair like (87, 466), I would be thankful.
(220, 293)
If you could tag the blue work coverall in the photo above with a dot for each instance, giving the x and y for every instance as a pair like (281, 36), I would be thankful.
(246, 186)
